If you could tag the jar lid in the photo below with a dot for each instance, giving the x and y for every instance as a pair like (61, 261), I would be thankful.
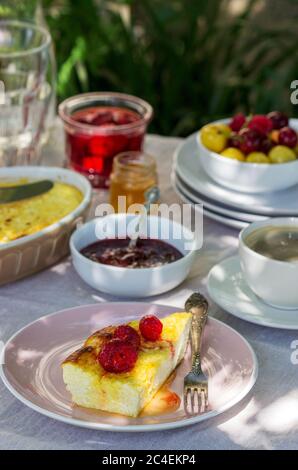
(135, 160)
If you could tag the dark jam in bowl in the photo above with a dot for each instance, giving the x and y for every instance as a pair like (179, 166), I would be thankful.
(91, 153)
(148, 253)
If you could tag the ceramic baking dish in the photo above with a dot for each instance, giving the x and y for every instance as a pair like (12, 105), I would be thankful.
(32, 253)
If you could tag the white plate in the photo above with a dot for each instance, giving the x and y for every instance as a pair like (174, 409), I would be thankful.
(229, 221)
(196, 197)
(228, 289)
(32, 367)
(187, 166)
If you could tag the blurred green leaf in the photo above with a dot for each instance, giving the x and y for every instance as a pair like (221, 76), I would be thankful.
(194, 61)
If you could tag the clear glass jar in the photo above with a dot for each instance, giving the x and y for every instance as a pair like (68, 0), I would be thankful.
(132, 175)
(100, 125)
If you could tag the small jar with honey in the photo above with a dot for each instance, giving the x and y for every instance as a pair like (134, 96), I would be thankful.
(132, 175)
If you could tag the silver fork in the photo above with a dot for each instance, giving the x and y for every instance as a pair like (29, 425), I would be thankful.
(196, 382)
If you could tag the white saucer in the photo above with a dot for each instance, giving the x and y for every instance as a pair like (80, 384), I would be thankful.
(190, 171)
(229, 221)
(228, 289)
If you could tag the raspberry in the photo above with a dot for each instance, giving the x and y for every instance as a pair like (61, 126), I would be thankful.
(128, 334)
(150, 327)
(237, 122)
(118, 356)
(261, 124)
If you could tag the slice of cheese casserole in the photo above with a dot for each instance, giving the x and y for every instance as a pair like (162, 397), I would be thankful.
(126, 393)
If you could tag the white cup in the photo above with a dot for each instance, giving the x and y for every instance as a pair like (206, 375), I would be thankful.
(275, 282)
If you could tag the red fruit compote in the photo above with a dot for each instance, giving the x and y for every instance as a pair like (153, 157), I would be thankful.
(98, 126)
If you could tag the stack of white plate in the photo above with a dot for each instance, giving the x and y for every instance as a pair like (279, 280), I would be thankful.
(232, 208)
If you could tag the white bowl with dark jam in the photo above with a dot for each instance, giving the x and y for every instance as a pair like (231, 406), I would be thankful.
(160, 261)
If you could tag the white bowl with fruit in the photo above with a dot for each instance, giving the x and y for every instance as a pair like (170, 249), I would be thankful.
(253, 154)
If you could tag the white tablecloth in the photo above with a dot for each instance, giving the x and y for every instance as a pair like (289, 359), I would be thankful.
(268, 420)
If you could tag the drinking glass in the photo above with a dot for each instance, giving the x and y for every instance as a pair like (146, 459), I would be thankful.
(26, 91)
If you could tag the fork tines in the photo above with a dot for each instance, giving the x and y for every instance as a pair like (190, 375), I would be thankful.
(195, 399)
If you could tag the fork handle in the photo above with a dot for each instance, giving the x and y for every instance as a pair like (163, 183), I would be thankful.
(197, 305)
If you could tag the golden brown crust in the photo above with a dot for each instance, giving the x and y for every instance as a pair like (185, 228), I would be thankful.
(153, 345)
(99, 337)
(84, 353)
(91, 348)
(93, 344)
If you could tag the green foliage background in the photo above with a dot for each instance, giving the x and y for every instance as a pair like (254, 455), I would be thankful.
(192, 60)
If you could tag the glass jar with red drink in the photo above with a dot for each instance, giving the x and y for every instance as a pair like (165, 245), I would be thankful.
(100, 125)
